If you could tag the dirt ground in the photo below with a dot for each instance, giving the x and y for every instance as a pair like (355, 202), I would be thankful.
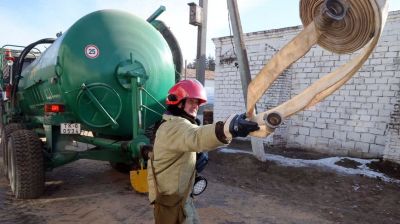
(241, 189)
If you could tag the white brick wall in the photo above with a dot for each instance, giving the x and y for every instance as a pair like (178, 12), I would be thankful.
(360, 119)
(392, 149)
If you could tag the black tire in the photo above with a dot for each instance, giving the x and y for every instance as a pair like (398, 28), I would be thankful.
(6, 131)
(26, 164)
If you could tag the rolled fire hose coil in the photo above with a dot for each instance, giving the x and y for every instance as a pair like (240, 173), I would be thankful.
(339, 26)
(347, 35)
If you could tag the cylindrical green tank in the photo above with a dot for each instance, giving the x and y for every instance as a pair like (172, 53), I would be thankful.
(90, 62)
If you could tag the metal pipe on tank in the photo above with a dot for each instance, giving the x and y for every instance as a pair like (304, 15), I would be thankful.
(156, 14)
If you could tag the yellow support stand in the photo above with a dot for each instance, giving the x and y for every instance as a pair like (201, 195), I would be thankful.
(139, 180)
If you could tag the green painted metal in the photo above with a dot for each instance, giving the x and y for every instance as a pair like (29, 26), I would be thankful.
(82, 70)
(156, 14)
(112, 71)
(88, 98)
(101, 142)
(134, 146)
(106, 155)
(173, 45)
(105, 150)
(61, 158)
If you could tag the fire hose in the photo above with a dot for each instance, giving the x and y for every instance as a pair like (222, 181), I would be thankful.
(339, 26)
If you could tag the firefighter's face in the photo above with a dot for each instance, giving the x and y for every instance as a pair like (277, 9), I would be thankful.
(191, 106)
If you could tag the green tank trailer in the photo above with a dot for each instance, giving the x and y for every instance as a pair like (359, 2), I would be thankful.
(107, 75)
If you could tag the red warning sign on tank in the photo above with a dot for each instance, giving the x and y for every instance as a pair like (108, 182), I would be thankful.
(92, 51)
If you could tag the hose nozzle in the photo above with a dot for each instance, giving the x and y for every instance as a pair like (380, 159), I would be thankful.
(273, 119)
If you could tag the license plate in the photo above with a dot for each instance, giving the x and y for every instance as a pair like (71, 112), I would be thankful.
(70, 128)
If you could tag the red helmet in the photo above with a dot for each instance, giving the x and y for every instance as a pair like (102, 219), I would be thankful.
(186, 89)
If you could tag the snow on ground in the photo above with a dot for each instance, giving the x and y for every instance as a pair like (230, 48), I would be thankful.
(328, 163)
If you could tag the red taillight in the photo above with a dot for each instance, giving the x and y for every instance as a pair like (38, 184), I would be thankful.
(55, 108)
(9, 58)
(8, 55)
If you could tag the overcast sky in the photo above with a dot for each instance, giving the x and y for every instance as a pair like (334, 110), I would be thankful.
(25, 21)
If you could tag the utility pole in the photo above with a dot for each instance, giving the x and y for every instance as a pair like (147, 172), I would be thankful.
(257, 144)
(198, 17)
(241, 51)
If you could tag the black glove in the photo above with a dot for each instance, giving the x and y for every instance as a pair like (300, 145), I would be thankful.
(240, 127)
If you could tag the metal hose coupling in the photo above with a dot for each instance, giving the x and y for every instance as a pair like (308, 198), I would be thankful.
(330, 11)
(335, 9)
(273, 119)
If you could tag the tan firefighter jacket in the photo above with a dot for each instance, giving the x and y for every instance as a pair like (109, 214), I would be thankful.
(177, 141)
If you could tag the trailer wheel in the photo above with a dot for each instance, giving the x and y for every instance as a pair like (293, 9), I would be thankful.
(6, 131)
(26, 164)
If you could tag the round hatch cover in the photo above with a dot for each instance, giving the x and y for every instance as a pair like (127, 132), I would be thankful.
(97, 103)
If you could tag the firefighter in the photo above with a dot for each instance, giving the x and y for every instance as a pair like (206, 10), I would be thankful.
(178, 139)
